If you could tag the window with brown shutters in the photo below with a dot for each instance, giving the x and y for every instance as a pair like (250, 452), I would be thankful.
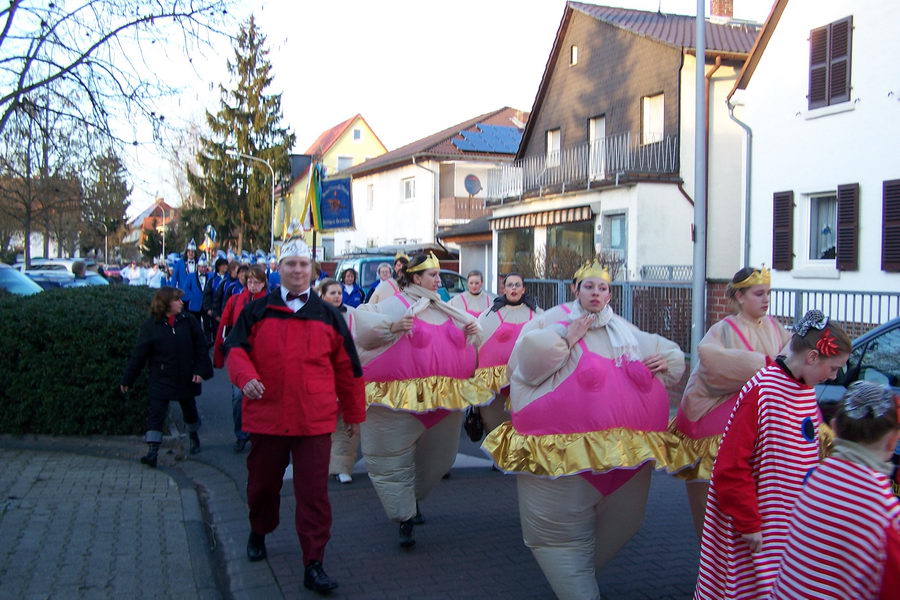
(890, 226)
(783, 231)
(829, 63)
(847, 252)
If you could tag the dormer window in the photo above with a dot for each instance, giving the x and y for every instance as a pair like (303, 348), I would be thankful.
(573, 55)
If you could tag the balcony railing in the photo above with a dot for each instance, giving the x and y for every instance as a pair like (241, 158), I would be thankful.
(603, 160)
(462, 208)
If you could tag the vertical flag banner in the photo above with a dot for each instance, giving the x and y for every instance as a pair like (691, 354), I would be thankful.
(336, 205)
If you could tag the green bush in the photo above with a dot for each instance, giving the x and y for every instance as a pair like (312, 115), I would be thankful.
(62, 354)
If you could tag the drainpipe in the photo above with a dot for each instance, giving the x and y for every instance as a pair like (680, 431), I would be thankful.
(748, 170)
(436, 193)
(706, 98)
(698, 287)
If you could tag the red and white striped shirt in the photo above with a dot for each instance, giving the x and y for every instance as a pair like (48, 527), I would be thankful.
(837, 542)
(769, 447)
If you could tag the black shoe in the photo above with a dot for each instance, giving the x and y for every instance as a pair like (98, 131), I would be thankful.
(418, 519)
(152, 455)
(256, 547)
(239, 445)
(195, 443)
(407, 540)
(314, 578)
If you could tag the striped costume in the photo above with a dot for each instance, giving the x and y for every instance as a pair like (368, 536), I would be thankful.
(769, 446)
(839, 534)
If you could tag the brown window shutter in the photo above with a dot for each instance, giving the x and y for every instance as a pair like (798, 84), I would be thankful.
(890, 228)
(818, 67)
(783, 234)
(839, 47)
(848, 227)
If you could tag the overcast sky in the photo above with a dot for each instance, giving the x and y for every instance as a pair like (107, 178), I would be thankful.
(410, 67)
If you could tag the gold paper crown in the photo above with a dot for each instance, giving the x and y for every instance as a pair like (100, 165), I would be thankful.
(758, 277)
(592, 269)
(430, 263)
(400, 255)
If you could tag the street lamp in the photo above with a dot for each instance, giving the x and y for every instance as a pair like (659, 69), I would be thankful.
(236, 154)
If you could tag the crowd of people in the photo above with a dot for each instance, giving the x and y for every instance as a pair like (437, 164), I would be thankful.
(574, 402)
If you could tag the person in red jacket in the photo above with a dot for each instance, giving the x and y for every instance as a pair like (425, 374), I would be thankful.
(255, 281)
(291, 354)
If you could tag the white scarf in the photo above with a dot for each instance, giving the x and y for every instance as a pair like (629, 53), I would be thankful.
(622, 339)
(426, 298)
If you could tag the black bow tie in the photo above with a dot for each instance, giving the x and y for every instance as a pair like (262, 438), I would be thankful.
(302, 297)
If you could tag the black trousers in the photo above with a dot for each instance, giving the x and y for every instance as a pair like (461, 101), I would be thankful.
(157, 410)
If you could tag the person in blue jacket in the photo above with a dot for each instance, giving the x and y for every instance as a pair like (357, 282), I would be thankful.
(273, 274)
(353, 294)
(184, 277)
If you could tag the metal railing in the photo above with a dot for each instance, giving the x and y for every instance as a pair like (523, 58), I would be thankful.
(667, 272)
(603, 159)
(665, 308)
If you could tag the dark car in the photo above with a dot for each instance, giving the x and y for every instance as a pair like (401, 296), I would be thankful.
(62, 279)
(875, 357)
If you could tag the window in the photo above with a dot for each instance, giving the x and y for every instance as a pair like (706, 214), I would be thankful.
(822, 227)
(409, 188)
(597, 141)
(615, 233)
(357, 135)
(829, 63)
(573, 55)
(370, 197)
(879, 363)
(344, 162)
(515, 250)
(553, 143)
(652, 118)
(571, 240)
(890, 225)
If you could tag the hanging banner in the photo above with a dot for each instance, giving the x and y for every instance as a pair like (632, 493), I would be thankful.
(335, 205)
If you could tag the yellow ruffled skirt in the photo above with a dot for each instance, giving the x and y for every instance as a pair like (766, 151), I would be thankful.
(555, 455)
(492, 378)
(703, 451)
(427, 394)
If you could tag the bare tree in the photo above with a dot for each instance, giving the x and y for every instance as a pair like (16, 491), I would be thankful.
(92, 53)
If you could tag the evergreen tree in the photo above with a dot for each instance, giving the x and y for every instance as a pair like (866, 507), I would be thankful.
(238, 191)
(106, 203)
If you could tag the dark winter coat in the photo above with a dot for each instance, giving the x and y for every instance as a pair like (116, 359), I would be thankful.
(175, 354)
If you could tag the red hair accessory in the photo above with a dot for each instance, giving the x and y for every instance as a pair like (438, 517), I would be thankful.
(827, 345)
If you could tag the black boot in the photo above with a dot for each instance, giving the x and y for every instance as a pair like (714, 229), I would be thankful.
(152, 454)
(195, 443)
(315, 578)
(419, 519)
(256, 547)
(407, 540)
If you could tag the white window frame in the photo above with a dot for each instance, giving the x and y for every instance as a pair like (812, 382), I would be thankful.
(553, 140)
(653, 118)
(407, 185)
(573, 55)
(805, 267)
(338, 168)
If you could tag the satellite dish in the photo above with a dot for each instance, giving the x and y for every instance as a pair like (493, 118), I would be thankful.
(473, 184)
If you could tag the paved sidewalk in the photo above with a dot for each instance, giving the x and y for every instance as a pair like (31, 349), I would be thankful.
(82, 526)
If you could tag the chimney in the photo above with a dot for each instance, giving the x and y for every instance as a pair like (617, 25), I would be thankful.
(723, 9)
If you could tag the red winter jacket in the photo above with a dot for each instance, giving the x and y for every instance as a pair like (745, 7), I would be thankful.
(233, 308)
(304, 360)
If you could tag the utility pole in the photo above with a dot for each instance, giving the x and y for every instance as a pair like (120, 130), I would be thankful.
(698, 290)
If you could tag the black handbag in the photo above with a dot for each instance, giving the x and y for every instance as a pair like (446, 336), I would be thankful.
(473, 424)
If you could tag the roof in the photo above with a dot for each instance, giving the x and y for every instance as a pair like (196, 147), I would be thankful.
(329, 137)
(444, 142)
(759, 47)
(473, 227)
(675, 30)
(139, 220)
(734, 38)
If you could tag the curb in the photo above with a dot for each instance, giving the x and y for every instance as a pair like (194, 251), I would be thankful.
(200, 542)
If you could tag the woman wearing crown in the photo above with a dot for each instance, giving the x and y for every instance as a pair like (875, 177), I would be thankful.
(589, 415)
(730, 353)
(418, 355)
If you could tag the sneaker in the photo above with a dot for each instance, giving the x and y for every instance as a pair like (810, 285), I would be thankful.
(407, 540)
(344, 477)
(315, 578)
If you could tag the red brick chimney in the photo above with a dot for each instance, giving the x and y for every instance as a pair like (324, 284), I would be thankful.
(723, 9)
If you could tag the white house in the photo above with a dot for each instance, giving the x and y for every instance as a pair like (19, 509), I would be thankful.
(406, 195)
(606, 161)
(820, 94)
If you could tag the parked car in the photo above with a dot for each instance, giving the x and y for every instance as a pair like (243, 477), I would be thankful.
(875, 357)
(49, 279)
(57, 264)
(453, 282)
(365, 266)
(15, 282)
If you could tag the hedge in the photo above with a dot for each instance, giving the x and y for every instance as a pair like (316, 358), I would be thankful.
(62, 354)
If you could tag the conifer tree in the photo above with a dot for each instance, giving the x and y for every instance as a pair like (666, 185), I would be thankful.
(238, 191)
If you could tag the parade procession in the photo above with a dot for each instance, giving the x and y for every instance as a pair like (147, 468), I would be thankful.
(596, 302)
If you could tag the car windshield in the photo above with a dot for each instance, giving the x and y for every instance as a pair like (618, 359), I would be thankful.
(16, 283)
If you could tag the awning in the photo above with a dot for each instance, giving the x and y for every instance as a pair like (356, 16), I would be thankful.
(544, 218)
